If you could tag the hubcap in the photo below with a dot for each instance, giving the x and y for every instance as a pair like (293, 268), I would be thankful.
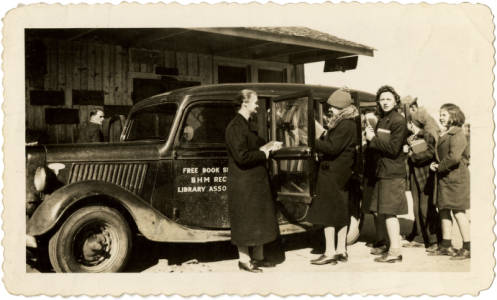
(93, 244)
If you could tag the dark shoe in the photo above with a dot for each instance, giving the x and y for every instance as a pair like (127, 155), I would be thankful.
(376, 244)
(413, 244)
(342, 257)
(249, 267)
(323, 260)
(379, 250)
(432, 248)
(263, 263)
(442, 251)
(461, 255)
(387, 258)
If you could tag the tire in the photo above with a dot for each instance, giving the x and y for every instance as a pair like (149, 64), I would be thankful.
(94, 239)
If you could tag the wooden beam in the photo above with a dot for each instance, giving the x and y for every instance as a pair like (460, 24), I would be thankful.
(80, 35)
(157, 36)
(229, 52)
(278, 38)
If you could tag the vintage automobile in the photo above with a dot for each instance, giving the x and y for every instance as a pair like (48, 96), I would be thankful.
(166, 178)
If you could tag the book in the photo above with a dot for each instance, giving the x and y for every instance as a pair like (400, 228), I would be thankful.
(319, 129)
(272, 145)
(418, 146)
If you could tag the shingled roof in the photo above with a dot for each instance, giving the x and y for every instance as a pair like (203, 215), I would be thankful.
(309, 34)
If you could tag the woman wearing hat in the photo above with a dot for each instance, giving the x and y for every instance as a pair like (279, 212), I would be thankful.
(425, 132)
(388, 199)
(331, 208)
(453, 181)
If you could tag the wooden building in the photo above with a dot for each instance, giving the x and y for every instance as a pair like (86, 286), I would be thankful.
(72, 71)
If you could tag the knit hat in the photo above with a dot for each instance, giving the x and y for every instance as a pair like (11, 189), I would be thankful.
(340, 99)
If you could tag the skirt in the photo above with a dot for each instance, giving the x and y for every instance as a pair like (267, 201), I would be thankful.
(389, 197)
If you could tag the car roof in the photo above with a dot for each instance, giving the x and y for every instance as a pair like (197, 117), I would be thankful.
(262, 89)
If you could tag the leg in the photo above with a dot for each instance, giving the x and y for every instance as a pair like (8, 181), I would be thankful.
(379, 222)
(243, 254)
(463, 224)
(393, 229)
(342, 240)
(258, 252)
(329, 235)
(445, 247)
(464, 228)
(416, 228)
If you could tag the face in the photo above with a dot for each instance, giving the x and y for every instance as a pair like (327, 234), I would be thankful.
(387, 101)
(252, 105)
(98, 118)
(333, 111)
(444, 118)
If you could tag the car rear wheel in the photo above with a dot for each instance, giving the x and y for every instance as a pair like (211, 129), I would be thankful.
(93, 239)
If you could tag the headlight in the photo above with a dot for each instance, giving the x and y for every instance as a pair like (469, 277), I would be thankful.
(40, 179)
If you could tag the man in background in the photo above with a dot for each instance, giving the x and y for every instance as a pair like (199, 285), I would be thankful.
(91, 132)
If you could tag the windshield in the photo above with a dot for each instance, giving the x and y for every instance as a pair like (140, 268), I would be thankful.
(152, 123)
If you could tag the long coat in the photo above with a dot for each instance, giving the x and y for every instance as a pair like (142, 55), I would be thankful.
(453, 173)
(251, 206)
(331, 206)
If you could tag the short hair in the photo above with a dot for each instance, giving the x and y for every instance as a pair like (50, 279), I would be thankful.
(95, 111)
(387, 88)
(243, 96)
(456, 115)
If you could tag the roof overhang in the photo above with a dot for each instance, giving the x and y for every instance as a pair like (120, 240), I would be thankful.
(258, 43)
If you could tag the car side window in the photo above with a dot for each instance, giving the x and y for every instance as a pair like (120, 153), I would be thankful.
(152, 123)
(206, 123)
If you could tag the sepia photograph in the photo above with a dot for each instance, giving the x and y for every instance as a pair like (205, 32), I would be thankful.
(334, 141)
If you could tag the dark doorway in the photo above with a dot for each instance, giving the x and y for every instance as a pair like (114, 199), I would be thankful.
(228, 74)
(144, 88)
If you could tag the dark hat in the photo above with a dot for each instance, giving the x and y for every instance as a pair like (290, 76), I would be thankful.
(340, 99)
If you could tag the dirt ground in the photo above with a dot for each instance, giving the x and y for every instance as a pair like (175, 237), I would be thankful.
(292, 253)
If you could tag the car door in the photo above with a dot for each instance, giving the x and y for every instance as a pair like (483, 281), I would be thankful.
(201, 165)
(293, 167)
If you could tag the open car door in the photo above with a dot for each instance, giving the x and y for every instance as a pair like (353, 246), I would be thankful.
(293, 167)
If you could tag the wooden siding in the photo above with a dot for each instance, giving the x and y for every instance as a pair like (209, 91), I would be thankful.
(90, 66)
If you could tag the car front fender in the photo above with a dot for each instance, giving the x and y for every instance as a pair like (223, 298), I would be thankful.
(150, 222)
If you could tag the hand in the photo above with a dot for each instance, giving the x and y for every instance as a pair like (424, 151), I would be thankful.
(369, 133)
(434, 166)
(406, 148)
(266, 151)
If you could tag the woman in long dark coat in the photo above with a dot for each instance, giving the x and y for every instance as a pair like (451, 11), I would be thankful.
(388, 199)
(331, 206)
(251, 207)
(453, 180)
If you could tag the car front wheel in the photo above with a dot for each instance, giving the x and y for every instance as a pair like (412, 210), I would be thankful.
(93, 239)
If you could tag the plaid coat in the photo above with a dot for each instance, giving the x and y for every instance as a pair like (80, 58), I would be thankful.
(420, 162)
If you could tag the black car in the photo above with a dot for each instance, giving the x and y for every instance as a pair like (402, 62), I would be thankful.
(166, 178)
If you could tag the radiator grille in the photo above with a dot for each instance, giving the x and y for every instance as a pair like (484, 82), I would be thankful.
(130, 175)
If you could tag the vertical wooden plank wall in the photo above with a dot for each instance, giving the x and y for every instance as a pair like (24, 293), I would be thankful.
(84, 65)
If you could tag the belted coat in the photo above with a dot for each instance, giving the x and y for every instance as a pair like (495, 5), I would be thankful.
(251, 205)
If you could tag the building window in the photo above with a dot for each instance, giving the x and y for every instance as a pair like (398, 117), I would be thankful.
(230, 74)
(272, 75)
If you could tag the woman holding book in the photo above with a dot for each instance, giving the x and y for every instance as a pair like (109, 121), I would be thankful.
(422, 145)
(388, 199)
(331, 206)
(453, 181)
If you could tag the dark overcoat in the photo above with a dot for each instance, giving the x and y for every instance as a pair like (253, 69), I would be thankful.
(251, 206)
(90, 133)
(331, 206)
(453, 173)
